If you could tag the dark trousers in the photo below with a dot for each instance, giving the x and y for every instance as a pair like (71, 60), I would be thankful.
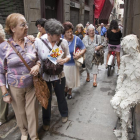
(62, 104)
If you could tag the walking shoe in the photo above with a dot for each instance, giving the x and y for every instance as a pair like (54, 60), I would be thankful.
(94, 84)
(118, 72)
(64, 119)
(88, 79)
(69, 96)
(46, 127)
(24, 137)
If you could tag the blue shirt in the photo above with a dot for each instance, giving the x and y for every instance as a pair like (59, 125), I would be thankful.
(79, 44)
(103, 31)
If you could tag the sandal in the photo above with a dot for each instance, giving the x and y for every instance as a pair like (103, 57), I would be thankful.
(88, 79)
(69, 96)
(94, 84)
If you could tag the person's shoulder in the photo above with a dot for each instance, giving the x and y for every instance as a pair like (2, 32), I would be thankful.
(44, 36)
(3, 46)
(64, 42)
(86, 37)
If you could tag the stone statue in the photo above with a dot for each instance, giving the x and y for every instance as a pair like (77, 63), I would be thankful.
(128, 85)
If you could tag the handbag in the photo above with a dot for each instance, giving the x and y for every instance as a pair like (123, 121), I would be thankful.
(78, 62)
(49, 67)
(41, 89)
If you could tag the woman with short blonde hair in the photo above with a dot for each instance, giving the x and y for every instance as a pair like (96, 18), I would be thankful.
(21, 92)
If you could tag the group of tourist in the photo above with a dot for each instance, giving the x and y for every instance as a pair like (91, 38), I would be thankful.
(16, 81)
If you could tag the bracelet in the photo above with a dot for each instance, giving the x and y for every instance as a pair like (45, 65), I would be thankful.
(5, 95)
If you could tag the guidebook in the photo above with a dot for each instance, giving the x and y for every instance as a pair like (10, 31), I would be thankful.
(55, 54)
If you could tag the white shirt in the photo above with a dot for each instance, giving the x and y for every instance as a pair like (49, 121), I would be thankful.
(43, 52)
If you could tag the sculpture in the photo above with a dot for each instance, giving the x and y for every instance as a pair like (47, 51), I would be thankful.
(128, 85)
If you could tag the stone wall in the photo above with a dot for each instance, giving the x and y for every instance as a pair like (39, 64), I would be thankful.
(132, 17)
(82, 8)
(32, 13)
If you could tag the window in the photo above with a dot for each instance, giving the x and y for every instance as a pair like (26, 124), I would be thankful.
(86, 2)
(121, 6)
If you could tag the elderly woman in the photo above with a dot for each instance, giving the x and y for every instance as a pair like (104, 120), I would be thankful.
(70, 69)
(91, 41)
(21, 92)
(50, 40)
(3, 105)
(40, 26)
(80, 32)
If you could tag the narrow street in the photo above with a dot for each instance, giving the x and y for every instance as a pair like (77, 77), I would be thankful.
(91, 116)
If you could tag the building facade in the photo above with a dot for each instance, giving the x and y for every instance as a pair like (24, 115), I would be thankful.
(75, 11)
(117, 11)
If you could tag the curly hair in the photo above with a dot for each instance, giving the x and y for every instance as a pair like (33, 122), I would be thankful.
(11, 21)
(113, 25)
(41, 22)
(2, 33)
(53, 26)
(67, 25)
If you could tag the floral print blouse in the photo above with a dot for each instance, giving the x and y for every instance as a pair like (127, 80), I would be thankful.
(17, 73)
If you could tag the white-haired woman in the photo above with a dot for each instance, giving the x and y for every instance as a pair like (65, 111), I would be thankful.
(91, 42)
(3, 105)
(80, 32)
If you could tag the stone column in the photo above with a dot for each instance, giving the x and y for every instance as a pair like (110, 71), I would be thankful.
(66, 10)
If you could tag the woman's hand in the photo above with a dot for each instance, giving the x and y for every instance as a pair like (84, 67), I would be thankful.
(97, 48)
(7, 99)
(61, 61)
(34, 70)
(31, 38)
(76, 56)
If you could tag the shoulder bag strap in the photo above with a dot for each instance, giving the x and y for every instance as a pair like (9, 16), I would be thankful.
(20, 56)
(96, 39)
(75, 44)
(48, 45)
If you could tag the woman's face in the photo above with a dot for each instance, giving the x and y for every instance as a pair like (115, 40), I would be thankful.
(69, 34)
(41, 29)
(79, 29)
(21, 29)
(91, 32)
(54, 38)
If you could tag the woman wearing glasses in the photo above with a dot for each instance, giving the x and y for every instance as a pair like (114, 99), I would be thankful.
(21, 90)
(71, 71)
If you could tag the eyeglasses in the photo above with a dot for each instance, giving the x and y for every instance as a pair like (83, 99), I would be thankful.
(69, 32)
(23, 25)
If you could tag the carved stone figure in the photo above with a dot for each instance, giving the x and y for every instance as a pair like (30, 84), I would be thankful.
(128, 85)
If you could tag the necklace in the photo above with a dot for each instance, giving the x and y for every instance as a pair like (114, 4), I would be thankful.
(91, 41)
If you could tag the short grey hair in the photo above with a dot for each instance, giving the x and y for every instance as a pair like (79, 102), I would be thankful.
(90, 27)
(53, 26)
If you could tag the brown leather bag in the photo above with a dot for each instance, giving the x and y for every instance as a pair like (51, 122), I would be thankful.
(41, 89)
(49, 67)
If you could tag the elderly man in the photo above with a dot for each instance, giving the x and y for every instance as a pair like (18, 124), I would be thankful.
(103, 32)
